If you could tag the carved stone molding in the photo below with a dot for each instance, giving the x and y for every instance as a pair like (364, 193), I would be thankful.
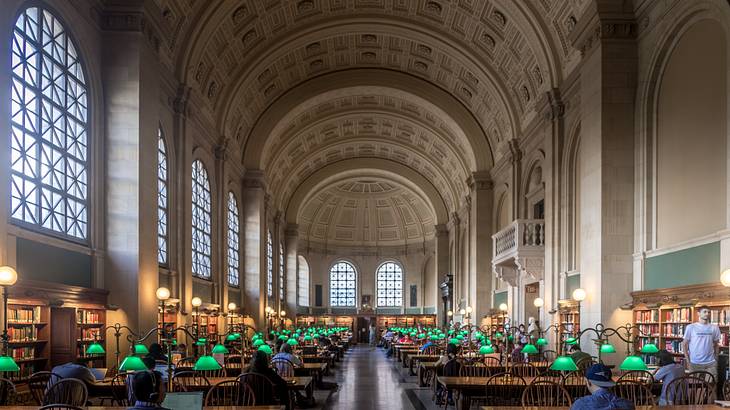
(292, 230)
(684, 295)
(254, 179)
(533, 267)
(180, 102)
(552, 105)
(441, 230)
(480, 180)
(592, 29)
(507, 274)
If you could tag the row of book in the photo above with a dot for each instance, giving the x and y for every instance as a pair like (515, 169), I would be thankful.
(646, 316)
(19, 353)
(22, 334)
(91, 334)
(648, 330)
(87, 317)
(720, 317)
(678, 315)
(674, 346)
(24, 315)
(674, 330)
(26, 369)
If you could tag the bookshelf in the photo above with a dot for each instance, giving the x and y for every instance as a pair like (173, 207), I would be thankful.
(568, 320)
(28, 333)
(207, 325)
(90, 325)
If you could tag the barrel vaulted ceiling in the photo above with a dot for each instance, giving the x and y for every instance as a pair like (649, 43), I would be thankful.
(258, 67)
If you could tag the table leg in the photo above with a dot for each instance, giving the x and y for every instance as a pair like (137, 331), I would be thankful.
(410, 368)
(463, 402)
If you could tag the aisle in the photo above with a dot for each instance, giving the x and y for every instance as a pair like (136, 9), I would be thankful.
(368, 380)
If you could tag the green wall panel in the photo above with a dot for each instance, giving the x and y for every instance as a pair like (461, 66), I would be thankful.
(692, 266)
(38, 261)
(571, 283)
(499, 298)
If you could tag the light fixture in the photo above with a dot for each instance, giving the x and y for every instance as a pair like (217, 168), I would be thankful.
(259, 342)
(233, 336)
(529, 349)
(8, 276)
(469, 309)
(538, 302)
(206, 363)
(571, 341)
(162, 293)
(503, 307)
(231, 306)
(219, 349)
(564, 364)
(725, 278)
(633, 363)
(486, 350)
(139, 348)
(579, 294)
(607, 348)
(94, 349)
(292, 341)
(462, 312)
(132, 364)
(649, 348)
(449, 313)
(541, 342)
(266, 349)
(196, 301)
(282, 313)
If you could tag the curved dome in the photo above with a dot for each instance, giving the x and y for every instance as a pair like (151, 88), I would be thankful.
(366, 212)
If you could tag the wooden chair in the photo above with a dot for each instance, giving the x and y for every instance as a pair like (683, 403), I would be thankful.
(38, 384)
(60, 407)
(706, 376)
(491, 361)
(232, 363)
(185, 364)
(212, 373)
(284, 367)
(69, 391)
(726, 390)
(230, 393)
(120, 394)
(431, 350)
(188, 380)
(549, 375)
(549, 356)
(261, 386)
(500, 389)
(689, 390)
(545, 394)
(575, 383)
(7, 391)
(640, 376)
(635, 391)
(524, 370)
(474, 370)
(584, 364)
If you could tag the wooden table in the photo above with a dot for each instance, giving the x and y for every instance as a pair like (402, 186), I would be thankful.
(125, 407)
(695, 407)
(316, 370)
(425, 369)
(404, 353)
(420, 358)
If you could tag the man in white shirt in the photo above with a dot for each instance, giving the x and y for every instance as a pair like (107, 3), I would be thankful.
(701, 343)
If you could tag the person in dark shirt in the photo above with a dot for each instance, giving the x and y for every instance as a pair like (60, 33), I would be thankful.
(148, 389)
(76, 370)
(156, 353)
(260, 365)
(577, 355)
(599, 381)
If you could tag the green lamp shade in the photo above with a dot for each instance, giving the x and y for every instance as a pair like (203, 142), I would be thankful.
(529, 349)
(201, 342)
(283, 338)
(307, 338)
(541, 342)
(454, 340)
(260, 342)
(563, 364)
(498, 335)
(7, 364)
(266, 349)
(633, 363)
(649, 348)
(571, 341)
(219, 349)
(607, 348)
(206, 363)
(94, 348)
(233, 336)
(486, 350)
(132, 364)
(139, 348)
(510, 338)
(292, 342)
(460, 337)
(486, 341)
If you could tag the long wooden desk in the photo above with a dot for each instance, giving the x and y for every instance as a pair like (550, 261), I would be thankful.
(124, 408)
(694, 407)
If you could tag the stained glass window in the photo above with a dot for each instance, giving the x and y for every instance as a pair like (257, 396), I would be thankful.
(281, 271)
(234, 231)
(303, 281)
(49, 136)
(343, 284)
(201, 221)
(269, 265)
(161, 199)
(389, 285)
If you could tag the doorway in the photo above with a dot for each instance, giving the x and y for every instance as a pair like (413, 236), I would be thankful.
(362, 328)
(532, 291)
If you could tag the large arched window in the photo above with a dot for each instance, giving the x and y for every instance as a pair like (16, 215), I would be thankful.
(269, 265)
(389, 285)
(281, 271)
(234, 232)
(201, 245)
(303, 281)
(48, 114)
(162, 198)
(343, 284)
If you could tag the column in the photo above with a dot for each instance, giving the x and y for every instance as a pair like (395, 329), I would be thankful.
(220, 252)
(480, 242)
(254, 242)
(441, 257)
(291, 235)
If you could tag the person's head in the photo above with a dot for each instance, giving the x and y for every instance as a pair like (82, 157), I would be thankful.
(574, 348)
(147, 386)
(452, 349)
(260, 361)
(149, 362)
(598, 377)
(665, 358)
(156, 349)
(181, 347)
(704, 313)
(285, 348)
(530, 320)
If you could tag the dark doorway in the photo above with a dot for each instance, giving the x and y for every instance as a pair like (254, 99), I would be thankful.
(63, 336)
(538, 210)
(362, 329)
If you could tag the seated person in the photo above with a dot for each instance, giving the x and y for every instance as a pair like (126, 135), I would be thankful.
(668, 370)
(286, 353)
(260, 365)
(599, 381)
(76, 370)
(516, 356)
(427, 345)
(148, 389)
(577, 355)
(156, 353)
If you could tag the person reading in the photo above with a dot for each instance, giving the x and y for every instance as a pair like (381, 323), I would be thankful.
(599, 381)
(148, 390)
(668, 370)
(701, 343)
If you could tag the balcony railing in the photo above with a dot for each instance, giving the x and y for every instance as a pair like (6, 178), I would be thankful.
(521, 234)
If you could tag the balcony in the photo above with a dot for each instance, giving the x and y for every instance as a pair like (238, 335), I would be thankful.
(519, 248)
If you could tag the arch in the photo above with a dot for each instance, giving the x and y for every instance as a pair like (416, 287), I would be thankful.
(282, 272)
(358, 166)
(49, 127)
(571, 197)
(381, 80)
(202, 223)
(269, 264)
(163, 196)
(233, 238)
(533, 182)
(343, 284)
(389, 284)
(303, 274)
(502, 210)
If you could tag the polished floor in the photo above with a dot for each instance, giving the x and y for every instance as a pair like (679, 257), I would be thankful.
(369, 380)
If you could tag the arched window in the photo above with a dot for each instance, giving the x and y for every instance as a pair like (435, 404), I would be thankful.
(201, 221)
(269, 265)
(343, 284)
(303, 281)
(281, 271)
(48, 114)
(162, 197)
(234, 232)
(390, 285)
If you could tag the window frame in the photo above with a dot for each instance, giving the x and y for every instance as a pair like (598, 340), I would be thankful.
(386, 281)
(346, 288)
(209, 233)
(166, 182)
(229, 249)
(269, 265)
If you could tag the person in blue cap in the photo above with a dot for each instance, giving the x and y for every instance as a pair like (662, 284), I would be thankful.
(599, 381)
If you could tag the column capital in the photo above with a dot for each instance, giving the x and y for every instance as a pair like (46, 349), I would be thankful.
(292, 230)
(441, 230)
(179, 103)
(601, 21)
(254, 179)
(551, 105)
(480, 180)
(221, 150)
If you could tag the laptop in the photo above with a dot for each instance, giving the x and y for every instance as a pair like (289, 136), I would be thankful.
(184, 401)
(99, 373)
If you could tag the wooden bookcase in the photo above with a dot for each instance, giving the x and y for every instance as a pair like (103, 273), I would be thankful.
(568, 320)
(29, 335)
(90, 325)
(208, 325)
